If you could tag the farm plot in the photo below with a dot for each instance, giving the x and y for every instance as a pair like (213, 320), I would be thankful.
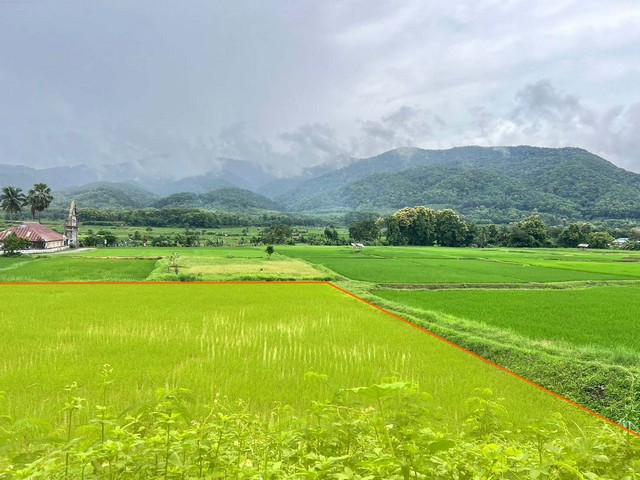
(236, 268)
(67, 268)
(430, 265)
(252, 342)
(602, 317)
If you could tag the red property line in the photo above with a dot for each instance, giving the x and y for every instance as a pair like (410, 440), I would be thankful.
(487, 361)
(377, 307)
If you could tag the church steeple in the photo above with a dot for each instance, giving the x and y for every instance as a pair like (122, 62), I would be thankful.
(71, 226)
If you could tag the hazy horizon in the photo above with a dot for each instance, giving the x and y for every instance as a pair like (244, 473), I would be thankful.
(173, 86)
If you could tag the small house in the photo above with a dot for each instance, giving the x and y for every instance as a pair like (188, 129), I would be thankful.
(583, 246)
(39, 236)
(619, 242)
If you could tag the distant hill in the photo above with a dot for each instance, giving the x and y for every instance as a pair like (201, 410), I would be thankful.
(497, 184)
(223, 199)
(117, 196)
(105, 195)
(226, 174)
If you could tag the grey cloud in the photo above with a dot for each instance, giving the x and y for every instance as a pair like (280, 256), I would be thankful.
(545, 116)
(294, 84)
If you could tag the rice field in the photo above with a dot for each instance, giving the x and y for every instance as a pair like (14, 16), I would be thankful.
(253, 342)
(436, 265)
(159, 264)
(237, 268)
(603, 317)
(67, 268)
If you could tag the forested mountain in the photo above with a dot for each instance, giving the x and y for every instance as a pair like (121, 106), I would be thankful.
(105, 195)
(117, 196)
(497, 184)
(486, 184)
(223, 199)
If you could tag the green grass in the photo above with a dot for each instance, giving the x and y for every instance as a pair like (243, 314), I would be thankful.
(11, 262)
(64, 268)
(601, 317)
(252, 342)
(433, 265)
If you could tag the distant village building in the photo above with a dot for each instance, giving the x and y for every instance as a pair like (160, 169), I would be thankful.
(71, 226)
(619, 242)
(39, 236)
(42, 238)
(583, 246)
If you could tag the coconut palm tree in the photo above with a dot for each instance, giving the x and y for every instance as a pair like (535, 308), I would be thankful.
(38, 199)
(12, 200)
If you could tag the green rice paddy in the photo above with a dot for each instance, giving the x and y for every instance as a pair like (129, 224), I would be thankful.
(434, 265)
(252, 342)
(61, 268)
(602, 317)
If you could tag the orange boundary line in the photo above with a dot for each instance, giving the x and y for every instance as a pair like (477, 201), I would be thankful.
(487, 361)
(261, 282)
(366, 302)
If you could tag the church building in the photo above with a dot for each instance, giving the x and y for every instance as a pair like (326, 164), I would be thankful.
(43, 238)
(71, 226)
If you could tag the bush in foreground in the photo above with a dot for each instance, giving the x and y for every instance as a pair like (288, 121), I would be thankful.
(382, 431)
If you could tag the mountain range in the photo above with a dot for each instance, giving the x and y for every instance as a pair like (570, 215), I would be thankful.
(498, 184)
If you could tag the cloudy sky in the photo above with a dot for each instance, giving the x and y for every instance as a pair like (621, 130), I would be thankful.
(290, 84)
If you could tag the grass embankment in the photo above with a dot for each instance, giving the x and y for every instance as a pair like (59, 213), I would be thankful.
(252, 342)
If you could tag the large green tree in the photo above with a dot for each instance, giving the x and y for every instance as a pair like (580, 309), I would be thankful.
(412, 226)
(364, 231)
(276, 234)
(38, 199)
(451, 230)
(574, 234)
(12, 244)
(12, 200)
(600, 240)
(530, 232)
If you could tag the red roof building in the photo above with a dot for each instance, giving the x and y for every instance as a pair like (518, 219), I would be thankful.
(40, 237)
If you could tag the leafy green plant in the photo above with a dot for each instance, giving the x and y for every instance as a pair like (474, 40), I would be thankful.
(379, 431)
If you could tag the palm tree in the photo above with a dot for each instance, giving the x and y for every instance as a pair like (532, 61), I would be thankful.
(12, 200)
(38, 199)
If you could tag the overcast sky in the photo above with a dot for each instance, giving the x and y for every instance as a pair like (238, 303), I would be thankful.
(295, 83)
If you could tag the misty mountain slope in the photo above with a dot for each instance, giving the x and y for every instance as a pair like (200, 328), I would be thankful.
(105, 195)
(227, 173)
(568, 182)
(223, 199)
(55, 177)
(197, 184)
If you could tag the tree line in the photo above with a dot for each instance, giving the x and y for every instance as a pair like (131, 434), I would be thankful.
(424, 226)
(13, 199)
